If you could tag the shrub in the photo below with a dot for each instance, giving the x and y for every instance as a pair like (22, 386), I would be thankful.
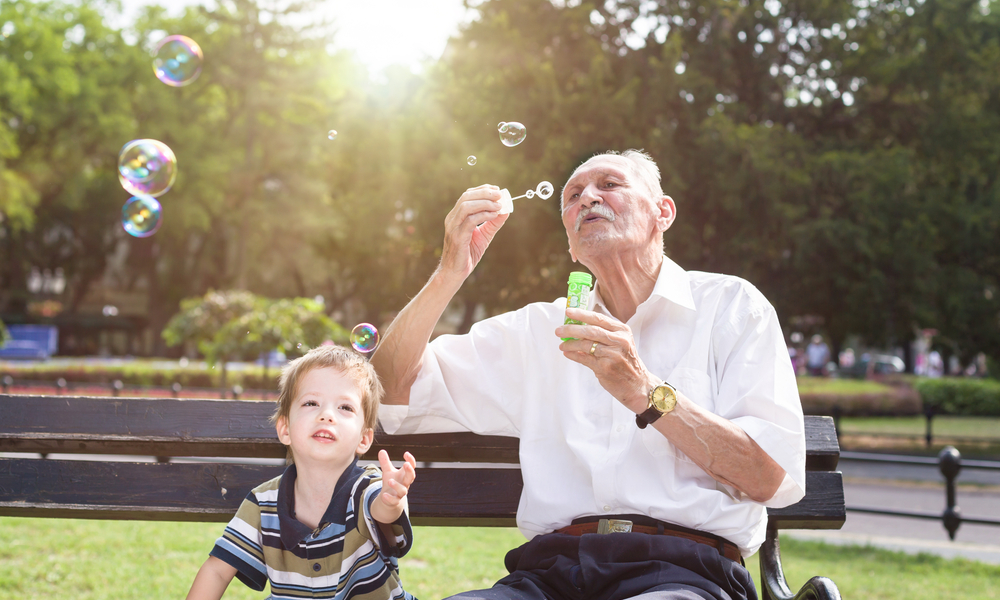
(961, 396)
(142, 374)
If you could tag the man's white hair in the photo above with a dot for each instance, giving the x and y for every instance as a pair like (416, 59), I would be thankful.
(644, 167)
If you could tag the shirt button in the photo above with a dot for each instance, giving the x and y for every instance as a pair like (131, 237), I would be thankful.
(606, 508)
(316, 567)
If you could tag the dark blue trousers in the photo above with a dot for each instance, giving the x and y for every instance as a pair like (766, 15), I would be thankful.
(617, 566)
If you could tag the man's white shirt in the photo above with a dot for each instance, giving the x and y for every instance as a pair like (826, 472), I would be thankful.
(713, 337)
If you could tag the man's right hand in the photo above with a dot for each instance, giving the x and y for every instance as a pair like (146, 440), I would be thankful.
(469, 229)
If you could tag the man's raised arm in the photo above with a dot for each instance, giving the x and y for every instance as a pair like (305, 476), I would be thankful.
(469, 229)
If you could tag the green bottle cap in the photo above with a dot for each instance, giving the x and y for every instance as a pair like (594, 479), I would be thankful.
(580, 277)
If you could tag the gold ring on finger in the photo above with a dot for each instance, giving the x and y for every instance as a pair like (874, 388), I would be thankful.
(593, 349)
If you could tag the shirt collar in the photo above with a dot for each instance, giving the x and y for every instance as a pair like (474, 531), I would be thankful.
(672, 283)
(293, 531)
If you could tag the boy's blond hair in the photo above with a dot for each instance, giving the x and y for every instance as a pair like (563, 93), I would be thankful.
(336, 357)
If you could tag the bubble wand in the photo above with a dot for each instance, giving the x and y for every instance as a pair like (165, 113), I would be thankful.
(543, 190)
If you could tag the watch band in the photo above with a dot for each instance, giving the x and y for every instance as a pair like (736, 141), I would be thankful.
(648, 417)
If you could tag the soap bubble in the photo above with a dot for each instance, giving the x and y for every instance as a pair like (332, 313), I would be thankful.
(512, 134)
(472, 160)
(332, 134)
(147, 168)
(141, 216)
(502, 126)
(529, 194)
(544, 190)
(364, 337)
(177, 60)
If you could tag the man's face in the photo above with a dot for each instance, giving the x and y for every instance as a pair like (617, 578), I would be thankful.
(607, 207)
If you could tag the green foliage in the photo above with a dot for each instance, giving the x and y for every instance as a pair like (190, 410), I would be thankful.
(841, 156)
(238, 324)
(138, 373)
(4, 334)
(961, 396)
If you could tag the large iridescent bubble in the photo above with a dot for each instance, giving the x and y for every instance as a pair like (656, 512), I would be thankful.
(141, 216)
(147, 167)
(512, 133)
(364, 337)
(177, 60)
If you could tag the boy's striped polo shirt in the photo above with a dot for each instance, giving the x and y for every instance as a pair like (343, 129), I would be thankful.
(347, 556)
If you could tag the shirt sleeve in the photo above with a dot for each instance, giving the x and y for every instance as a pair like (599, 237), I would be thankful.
(758, 391)
(393, 539)
(241, 545)
(470, 382)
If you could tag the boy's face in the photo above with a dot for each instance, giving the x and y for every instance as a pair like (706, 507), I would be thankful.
(325, 424)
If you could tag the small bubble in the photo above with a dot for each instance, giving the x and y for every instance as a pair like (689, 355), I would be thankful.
(299, 345)
(502, 126)
(332, 134)
(141, 216)
(364, 337)
(147, 167)
(529, 194)
(471, 160)
(544, 190)
(512, 134)
(177, 60)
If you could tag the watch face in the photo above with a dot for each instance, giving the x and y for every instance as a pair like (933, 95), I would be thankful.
(664, 399)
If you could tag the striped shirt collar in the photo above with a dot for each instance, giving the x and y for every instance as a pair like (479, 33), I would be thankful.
(293, 531)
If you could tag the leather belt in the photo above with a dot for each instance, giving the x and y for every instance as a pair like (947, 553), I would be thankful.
(602, 526)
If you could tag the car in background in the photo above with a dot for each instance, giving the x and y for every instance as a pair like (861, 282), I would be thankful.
(869, 365)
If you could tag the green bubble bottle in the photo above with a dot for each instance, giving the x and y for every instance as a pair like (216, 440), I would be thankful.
(578, 296)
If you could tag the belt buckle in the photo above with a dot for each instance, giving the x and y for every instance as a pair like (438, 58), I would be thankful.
(614, 526)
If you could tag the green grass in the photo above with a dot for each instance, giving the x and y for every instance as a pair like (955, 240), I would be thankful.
(56, 558)
(843, 387)
(981, 427)
(876, 574)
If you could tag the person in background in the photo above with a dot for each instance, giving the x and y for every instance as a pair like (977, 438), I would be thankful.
(817, 355)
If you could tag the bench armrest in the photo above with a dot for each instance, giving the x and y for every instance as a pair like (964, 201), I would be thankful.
(772, 578)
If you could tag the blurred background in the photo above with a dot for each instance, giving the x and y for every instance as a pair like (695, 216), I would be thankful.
(842, 156)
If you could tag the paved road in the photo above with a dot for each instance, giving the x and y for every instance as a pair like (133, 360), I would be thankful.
(917, 488)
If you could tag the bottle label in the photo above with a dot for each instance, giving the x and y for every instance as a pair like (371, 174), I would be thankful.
(578, 296)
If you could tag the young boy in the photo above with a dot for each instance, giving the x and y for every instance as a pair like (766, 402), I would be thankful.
(326, 527)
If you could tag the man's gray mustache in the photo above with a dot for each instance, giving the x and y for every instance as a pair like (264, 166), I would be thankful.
(598, 209)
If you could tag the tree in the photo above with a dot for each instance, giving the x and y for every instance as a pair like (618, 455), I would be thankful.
(61, 123)
(206, 322)
(237, 324)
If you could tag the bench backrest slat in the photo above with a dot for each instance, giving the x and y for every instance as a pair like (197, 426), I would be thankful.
(213, 492)
(193, 491)
(240, 428)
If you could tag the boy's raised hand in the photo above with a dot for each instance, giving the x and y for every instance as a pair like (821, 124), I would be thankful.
(396, 482)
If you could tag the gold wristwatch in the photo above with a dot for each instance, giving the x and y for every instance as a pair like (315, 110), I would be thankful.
(662, 399)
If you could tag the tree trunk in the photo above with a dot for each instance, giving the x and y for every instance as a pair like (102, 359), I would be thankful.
(468, 315)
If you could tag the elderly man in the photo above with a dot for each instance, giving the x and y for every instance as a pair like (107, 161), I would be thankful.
(651, 442)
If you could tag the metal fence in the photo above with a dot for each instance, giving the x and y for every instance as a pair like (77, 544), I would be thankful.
(929, 414)
(950, 462)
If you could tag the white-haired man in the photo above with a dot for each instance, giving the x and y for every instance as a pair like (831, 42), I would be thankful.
(671, 419)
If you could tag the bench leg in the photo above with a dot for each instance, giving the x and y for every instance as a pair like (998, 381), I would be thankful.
(772, 578)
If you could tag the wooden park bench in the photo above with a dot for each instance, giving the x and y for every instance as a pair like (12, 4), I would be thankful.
(210, 488)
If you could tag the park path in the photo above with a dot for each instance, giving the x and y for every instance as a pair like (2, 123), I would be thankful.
(916, 488)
